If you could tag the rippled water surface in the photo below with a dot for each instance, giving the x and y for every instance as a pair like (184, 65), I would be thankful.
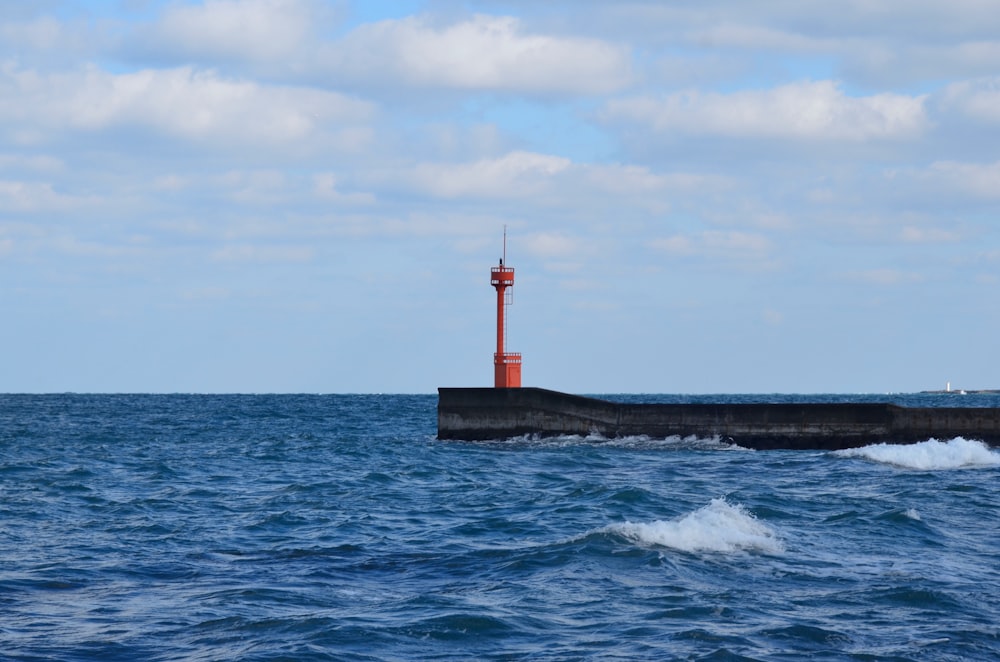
(197, 527)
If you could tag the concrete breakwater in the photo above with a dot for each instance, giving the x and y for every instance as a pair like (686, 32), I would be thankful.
(500, 413)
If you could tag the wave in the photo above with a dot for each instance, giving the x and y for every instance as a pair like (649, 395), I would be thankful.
(957, 453)
(717, 527)
(636, 442)
(675, 442)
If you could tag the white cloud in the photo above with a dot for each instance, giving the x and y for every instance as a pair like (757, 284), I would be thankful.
(818, 111)
(885, 276)
(678, 245)
(515, 174)
(915, 235)
(325, 187)
(483, 53)
(914, 60)
(72, 245)
(759, 37)
(255, 187)
(735, 242)
(552, 245)
(716, 244)
(171, 183)
(976, 54)
(41, 33)
(33, 163)
(22, 196)
(632, 179)
(520, 175)
(772, 317)
(180, 102)
(247, 29)
(978, 99)
(980, 180)
(468, 232)
(918, 21)
(208, 293)
(263, 254)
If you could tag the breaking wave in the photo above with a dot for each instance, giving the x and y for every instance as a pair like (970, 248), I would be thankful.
(957, 453)
(637, 442)
(717, 527)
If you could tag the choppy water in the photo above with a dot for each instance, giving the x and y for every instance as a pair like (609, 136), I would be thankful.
(166, 527)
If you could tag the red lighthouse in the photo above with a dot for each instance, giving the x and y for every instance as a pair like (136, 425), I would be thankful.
(506, 365)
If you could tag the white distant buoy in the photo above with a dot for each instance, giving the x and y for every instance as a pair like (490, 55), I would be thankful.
(947, 387)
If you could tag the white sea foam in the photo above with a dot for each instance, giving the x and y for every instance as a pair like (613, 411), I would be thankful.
(717, 527)
(674, 442)
(637, 442)
(957, 453)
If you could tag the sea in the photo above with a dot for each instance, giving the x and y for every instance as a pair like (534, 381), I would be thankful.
(338, 527)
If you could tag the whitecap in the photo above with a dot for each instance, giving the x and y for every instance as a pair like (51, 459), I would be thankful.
(634, 442)
(675, 442)
(957, 453)
(717, 527)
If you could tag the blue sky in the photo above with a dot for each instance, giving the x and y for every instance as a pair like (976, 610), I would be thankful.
(307, 195)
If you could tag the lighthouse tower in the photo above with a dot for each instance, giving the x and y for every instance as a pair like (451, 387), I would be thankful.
(506, 365)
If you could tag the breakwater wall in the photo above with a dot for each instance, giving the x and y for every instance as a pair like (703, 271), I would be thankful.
(500, 413)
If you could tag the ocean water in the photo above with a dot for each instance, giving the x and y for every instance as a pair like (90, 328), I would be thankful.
(263, 527)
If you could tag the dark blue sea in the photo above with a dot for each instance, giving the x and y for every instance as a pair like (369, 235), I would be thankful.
(337, 527)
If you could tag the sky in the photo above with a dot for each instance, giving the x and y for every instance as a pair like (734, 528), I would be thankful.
(307, 195)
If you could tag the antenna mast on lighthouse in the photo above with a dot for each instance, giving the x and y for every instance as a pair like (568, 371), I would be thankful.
(506, 365)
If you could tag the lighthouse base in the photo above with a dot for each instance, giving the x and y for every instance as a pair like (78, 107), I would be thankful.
(507, 370)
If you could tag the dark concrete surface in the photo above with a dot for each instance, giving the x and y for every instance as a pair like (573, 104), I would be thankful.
(491, 413)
